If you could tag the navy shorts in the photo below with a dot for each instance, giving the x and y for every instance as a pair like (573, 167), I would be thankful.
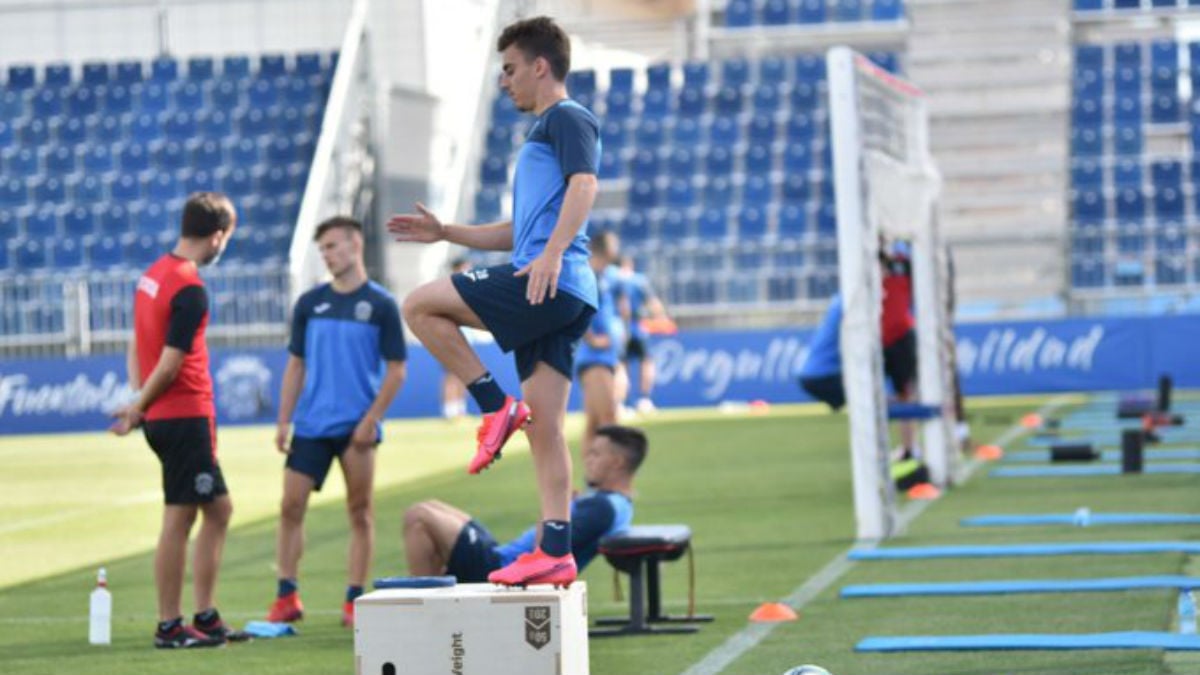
(549, 332)
(313, 456)
(186, 447)
(900, 361)
(827, 388)
(474, 554)
(635, 348)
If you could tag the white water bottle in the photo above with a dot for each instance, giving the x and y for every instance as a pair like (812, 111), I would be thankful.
(100, 612)
(1187, 612)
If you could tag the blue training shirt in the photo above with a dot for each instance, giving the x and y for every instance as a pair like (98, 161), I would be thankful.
(825, 349)
(594, 515)
(344, 340)
(635, 287)
(563, 141)
(606, 321)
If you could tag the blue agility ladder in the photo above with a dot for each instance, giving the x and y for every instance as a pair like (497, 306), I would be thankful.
(1031, 642)
(1025, 550)
(1066, 470)
(1022, 586)
(1082, 520)
(1021, 456)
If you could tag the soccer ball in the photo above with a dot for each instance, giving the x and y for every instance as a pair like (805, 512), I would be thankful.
(807, 670)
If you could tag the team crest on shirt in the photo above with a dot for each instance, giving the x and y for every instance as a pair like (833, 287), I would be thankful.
(204, 483)
(362, 310)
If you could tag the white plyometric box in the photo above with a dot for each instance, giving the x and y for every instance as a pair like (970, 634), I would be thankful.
(472, 629)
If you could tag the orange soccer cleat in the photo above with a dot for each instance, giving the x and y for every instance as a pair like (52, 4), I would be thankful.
(286, 609)
(537, 568)
(495, 430)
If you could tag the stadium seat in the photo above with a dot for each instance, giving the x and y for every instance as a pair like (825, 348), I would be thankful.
(724, 130)
(44, 103)
(12, 105)
(152, 98)
(620, 79)
(681, 194)
(1128, 140)
(650, 133)
(77, 221)
(104, 128)
(32, 133)
(1129, 272)
(692, 102)
(123, 187)
(636, 228)
(1087, 112)
(31, 256)
(1130, 205)
(200, 68)
(886, 10)
(235, 67)
(67, 131)
(797, 158)
(21, 77)
(611, 165)
(164, 69)
(128, 72)
(759, 159)
(618, 104)
(97, 158)
(226, 95)
(273, 181)
(1170, 270)
(487, 205)
(613, 133)
(796, 189)
(656, 103)
(686, 131)
(772, 70)
(86, 188)
(762, 129)
(1088, 272)
(132, 157)
(718, 191)
(658, 77)
(113, 219)
(752, 222)
(96, 72)
(104, 252)
(1169, 240)
(1087, 173)
(142, 251)
(272, 65)
(169, 156)
(42, 222)
(10, 226)
(581, 82)
(145, 128)
(847, 10)
(56, 75)
(187, 96)
(719, 160)
(1086, 142)
(735, 73)
(739, 14)
(681, 163)
(777, 13)
(281, 151)
(1127, 172)
(59, 160)
(262, 94)
(49, 189)
(729, 100)
(1165, 109)
(713, 223)
(68, 254)
(644, 194)
(811, 11)
(696, 75)
(793, 220)
(1131, 239)
(1168, 205)
(757, 191)
(766, 98)
(116, 99)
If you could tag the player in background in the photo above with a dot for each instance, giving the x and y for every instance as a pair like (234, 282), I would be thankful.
(599, 356)
(643, 308)
(454, 392)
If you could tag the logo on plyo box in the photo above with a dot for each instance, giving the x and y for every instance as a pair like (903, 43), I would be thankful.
(537, 626)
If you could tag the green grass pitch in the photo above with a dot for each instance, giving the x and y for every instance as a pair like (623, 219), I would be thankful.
(768, 499)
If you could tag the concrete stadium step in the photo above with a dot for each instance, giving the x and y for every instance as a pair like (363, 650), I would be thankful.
(1024, 183)
(941, 76)
(1003, 225)
(981, 10)
(1045, 200)
(991, 101)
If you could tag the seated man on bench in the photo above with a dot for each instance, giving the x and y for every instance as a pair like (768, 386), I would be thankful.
(441, 539)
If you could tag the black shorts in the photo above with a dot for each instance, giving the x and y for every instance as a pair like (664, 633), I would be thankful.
(313, 456)
(187, 449)
(900, 361)
(826, 388)
(635, 348)
(474, 554)
(549, 332)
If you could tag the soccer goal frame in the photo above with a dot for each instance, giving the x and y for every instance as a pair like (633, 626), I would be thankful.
(885, 181)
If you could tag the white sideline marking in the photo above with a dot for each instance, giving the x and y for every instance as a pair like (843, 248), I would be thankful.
(746, 639)
(34, 523)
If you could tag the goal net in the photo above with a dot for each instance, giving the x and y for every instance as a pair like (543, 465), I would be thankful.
(886, 184)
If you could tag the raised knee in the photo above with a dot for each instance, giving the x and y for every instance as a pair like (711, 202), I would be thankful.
(415, 516)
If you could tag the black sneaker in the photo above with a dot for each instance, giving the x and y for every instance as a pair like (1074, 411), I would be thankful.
(220, 629)
(185, 637)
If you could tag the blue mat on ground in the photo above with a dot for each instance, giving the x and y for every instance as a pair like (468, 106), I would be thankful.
(912, 411)
(268, 629)
(1025, 550)
(1110, 584)
(1085, 470)
(1029, 456)
(1034, 641)
(1082, 520)
(416, 582)
(1112, 439)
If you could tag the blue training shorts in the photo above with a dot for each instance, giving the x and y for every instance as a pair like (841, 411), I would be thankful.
(474, 554)
(549, 332)
(313, 456)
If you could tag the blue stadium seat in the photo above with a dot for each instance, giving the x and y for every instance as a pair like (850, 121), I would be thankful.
(718, 191)
(265, 212)
(308, 63)
(68, 254)
(1088, 272)
(822, 285)
(793, 220)
(207, 155)
(298, 174)
(200, 68)
(581, 82)
(105, 128)
(133, 157)
(809, 68)
(1165, 109)
(681, 163)
(19, 162)
(718, 161)
(6, 134)
(1087, 173)
(886, 10)
(762, 129)
(113, 219)
(847, 10)
(650, 133)
(777, 13)
(620, 79)
(1127, 139)
(235, 67)
(145, 128)
(1091, 56)
(44, 103)
(504, 111)
(1130, 206)
(759, 159)
(644, 194)
(200, 180)
(42, 221)
(1164, 80)
(213, 124)
(1088, 5)
(494, 171)
(752, 222)
(21, 77)
(96, 72)
(169, 156)
(152, 98)
(225, 94)
(242, 152)
(611, 164)
(487, 205)
(658, 77)
(1127, 172)
(499, 139)
(618, 104)
(1167, 173)
(796, 188)
(164, 69)
(68, 131)
(757, 191)
(686, 131)
(161, 186)
(613, 133)
(1129, 272)
(273, 181)
(128, 72)
(811, 11)
(77, 221)
(123, 187)
(646, 165)
(282, 151)
(32, 133)
(59, 159)
(272, 65)
(735, 73)
(48, 190)
(1170, 239)
(1168, 205)
(1087, 112)
(1088, 82)
(724, 130)
(729, 101)
(262, 94)
(1128, 80)
(681, 193)
(766, 98)
(782, 287)
(142, 251)
(656, 103)
(31, 256)
(10, 226)
(1086, 142)
(187, 96)
(149, 219)
(117, 99)
(1127, 108)
(1127, 55)
(636, 227)
(1170, 271)
(692, 102)
(772, 70)
(797, 158)
(252, 122)
(298, 92)
(105, 252)
(86, 188)
(696, 75)
(56, 75)
(12, 105)
(1087, 242)
(739, 14)
(713, 223)
(675, 226)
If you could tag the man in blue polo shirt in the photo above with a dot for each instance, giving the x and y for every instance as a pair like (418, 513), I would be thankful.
(442, 539)
(345, 365)
(539, 305)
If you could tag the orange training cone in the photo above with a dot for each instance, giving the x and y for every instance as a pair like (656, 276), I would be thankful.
(1031, 421)
(924, 492)
(989, 453)
(771, 612)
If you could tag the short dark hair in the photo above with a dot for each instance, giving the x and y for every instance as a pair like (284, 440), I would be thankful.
(205, 214)
(631, 442)
(602, 242)
(540, 36)
(336, 223)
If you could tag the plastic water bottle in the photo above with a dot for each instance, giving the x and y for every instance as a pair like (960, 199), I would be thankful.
(100, 612)
(1187, 612)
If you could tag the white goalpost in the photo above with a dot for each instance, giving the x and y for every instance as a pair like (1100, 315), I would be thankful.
(886, 183)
